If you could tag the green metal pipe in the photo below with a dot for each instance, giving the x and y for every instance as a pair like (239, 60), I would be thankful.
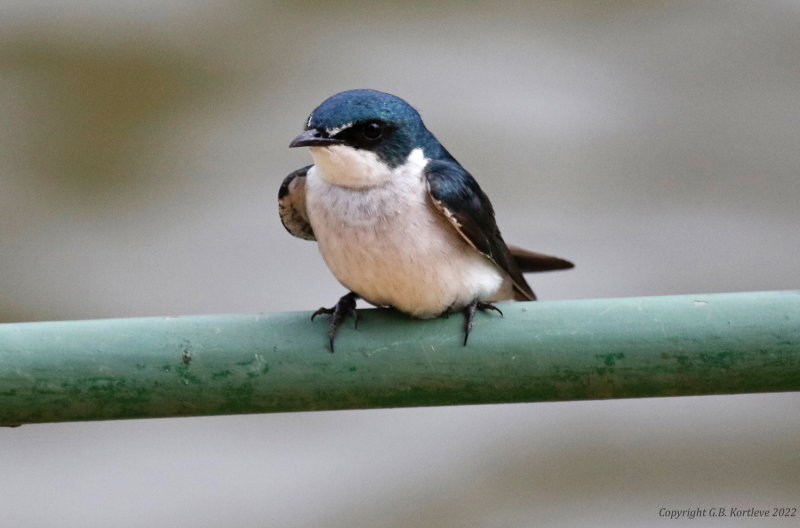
(543, 351)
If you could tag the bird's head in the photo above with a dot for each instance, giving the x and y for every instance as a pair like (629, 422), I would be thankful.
(359, 138)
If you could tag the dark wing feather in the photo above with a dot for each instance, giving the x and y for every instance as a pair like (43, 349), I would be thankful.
(457, 195)
(292, 204)
(530, 261)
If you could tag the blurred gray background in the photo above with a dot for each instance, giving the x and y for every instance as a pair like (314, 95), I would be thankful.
(141, 148)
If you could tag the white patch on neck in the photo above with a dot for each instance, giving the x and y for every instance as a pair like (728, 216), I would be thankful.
(346, 166)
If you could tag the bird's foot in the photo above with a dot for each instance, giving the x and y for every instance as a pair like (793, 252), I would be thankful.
(469, 315)
(344, 308)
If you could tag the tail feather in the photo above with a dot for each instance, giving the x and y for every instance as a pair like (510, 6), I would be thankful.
(532, 262)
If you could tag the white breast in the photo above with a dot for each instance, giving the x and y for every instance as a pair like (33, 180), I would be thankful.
(385, 242)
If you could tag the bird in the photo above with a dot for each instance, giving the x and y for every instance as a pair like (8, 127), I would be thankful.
(398, 221)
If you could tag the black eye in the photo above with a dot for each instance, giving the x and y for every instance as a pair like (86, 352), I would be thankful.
(372, 131)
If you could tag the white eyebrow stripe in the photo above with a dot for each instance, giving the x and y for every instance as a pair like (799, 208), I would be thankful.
(333, 131)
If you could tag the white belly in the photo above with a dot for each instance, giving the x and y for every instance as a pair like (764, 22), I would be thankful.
(388, 245)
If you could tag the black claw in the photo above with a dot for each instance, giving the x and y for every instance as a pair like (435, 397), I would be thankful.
(469, 315)
(489, 306)
(344, 308)
(322, 310)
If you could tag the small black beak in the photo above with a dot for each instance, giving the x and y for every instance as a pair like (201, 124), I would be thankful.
(314, 138)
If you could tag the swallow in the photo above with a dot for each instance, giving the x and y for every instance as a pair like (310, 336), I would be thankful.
(399, 222)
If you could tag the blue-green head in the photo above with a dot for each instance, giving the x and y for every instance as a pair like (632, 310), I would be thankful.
(372, 121)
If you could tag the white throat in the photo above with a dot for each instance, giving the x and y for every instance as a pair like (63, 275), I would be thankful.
(345, 166)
